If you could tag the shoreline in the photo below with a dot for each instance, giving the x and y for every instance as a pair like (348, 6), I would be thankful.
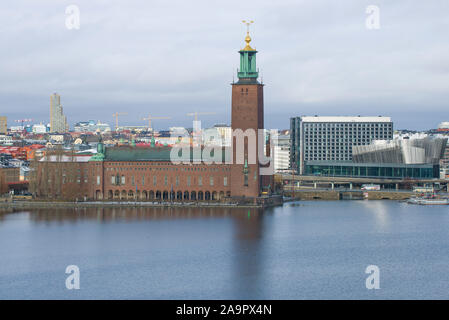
(111, 204)
(122, 204)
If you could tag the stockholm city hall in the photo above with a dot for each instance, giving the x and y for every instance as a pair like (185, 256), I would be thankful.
(148, 174)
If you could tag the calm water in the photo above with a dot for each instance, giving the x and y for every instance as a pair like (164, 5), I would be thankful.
(313, 250)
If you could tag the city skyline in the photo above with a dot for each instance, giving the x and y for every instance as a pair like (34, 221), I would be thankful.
(143, 155)
(324, 62)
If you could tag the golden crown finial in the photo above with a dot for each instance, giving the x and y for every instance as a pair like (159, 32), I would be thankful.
(248, 38)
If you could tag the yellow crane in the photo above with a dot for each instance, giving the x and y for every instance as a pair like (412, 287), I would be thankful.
(115, 115)
(196, 114)
(153, 118)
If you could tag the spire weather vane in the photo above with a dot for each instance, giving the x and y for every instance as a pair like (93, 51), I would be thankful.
(248, 38)
(248, 23)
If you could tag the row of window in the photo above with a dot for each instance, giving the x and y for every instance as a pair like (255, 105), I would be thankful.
(348, 125)
(346, 133)
(347, 138)
(353, 132)
(121, 180)
(327, 143)
(167, 169)
(359, 128)
(150, 163)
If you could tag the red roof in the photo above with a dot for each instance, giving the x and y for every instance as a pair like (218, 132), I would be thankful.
(16, 183)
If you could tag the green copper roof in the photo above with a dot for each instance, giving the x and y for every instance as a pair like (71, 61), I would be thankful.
(99, 156)
(129, 153)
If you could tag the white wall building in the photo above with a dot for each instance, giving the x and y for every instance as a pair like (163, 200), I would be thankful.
(217, 136)
(5, 140)
(91, 126)
(225, 132)
(39, 128)
(281, 151)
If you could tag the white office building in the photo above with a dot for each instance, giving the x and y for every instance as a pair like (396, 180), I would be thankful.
(91, 126)
(281, 151)
(320, 138)
(39, 128)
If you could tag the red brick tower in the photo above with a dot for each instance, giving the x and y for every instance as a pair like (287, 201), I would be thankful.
(247, 115)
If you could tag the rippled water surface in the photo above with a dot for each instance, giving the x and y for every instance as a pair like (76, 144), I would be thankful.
(303, 250)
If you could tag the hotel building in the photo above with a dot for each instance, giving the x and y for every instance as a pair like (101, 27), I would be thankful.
(317, 139)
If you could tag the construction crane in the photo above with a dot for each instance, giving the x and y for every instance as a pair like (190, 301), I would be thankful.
(24, 120)
(153, 118)
(115, 115)
(196, 114)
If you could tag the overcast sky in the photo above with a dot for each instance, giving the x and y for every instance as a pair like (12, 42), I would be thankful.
(168, 58)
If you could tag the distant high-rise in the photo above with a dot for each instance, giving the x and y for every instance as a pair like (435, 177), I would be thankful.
(3, 125)
(58, 122)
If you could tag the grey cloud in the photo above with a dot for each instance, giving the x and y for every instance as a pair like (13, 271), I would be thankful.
(173, 57)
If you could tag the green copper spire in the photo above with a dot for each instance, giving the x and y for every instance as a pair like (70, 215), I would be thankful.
(99, 156)
(248, 70)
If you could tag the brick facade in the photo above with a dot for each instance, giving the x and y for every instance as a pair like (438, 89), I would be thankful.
(69, 180)
(132, 180)
(247, 113)
(147, 180)
(8, 175)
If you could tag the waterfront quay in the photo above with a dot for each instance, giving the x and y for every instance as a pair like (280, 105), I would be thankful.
(348, 188)
(259, 202)
(346, 194)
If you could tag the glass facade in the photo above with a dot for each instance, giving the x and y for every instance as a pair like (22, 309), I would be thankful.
(366, 170)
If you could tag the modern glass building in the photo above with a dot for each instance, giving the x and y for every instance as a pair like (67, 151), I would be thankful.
(373, 170)
(331, 138)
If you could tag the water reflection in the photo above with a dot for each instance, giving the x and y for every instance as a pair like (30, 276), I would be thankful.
(248, 247)
(379, 209)
(306, 250)
(108, 214)
(245, 229)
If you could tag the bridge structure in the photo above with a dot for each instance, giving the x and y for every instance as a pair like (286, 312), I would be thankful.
(355, 182)
(337, 188)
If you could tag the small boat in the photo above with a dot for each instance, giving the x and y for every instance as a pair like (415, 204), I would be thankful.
(433, 200)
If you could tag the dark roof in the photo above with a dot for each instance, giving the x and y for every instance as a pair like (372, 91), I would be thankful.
(129, 153)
